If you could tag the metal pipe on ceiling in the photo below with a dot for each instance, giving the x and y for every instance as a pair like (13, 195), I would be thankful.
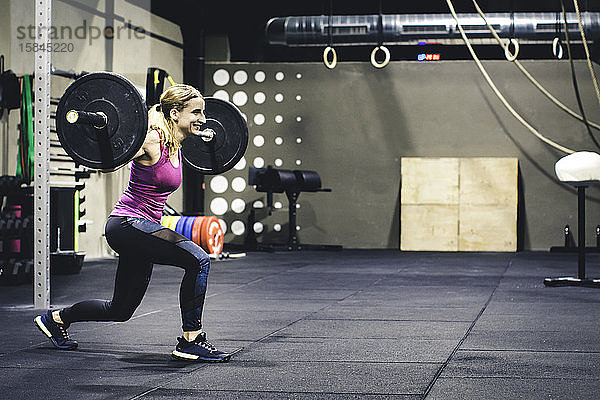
(349, 30)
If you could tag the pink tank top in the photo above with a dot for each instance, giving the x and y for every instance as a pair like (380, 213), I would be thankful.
(148, 188)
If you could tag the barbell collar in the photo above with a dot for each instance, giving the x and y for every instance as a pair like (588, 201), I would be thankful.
(98, 119)
(207, 135)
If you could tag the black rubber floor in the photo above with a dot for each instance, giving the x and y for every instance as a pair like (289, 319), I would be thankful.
(310, 325)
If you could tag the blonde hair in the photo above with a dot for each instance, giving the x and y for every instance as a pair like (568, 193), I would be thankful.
(159, 115)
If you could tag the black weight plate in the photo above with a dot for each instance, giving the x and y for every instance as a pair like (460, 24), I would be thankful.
(127, 115)
(228, 145)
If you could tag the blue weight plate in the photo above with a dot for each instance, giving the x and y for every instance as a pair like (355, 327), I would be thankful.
(179, 226)
(187, 229)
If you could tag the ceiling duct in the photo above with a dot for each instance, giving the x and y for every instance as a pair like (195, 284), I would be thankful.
(351, 30)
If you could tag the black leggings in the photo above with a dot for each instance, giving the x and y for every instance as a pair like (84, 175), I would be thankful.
(140, 243)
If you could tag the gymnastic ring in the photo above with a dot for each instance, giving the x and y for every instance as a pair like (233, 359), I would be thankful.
(557, 44)
(330, 64)
(511, 57)
(385, 61)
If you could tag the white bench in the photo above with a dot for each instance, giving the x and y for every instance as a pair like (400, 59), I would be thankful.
(580, 169)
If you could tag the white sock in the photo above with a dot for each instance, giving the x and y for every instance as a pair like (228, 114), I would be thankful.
(56, 317)
(192, 335)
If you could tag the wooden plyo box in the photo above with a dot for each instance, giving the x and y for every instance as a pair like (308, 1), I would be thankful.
(458, 204)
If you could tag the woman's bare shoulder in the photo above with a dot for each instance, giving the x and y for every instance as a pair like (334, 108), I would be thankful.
(150, 150)
(153, 136)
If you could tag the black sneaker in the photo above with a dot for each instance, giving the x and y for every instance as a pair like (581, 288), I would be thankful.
(55, 331)
(199, 350)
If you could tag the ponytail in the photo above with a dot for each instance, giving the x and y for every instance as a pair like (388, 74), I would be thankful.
(158, 122)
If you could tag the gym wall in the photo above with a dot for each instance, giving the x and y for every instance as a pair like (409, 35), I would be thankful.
(89, 47)
(353, 124)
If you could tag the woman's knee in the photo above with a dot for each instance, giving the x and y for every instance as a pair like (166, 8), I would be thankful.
(202, 263)
(120, 313)
(203, 259)
(199, 259)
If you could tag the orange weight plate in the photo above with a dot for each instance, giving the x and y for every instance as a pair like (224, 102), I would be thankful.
(203, 234)
(196, 230)
(212, 236)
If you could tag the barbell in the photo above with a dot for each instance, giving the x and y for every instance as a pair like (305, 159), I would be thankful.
(102, 120)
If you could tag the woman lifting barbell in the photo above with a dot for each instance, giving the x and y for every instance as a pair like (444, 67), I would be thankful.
(133, 230)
